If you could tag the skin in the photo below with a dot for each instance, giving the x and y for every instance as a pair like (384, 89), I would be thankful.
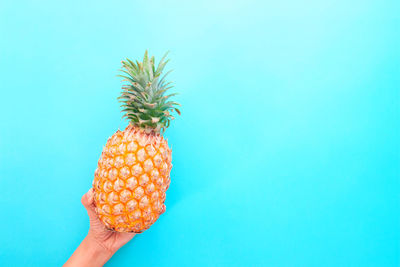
(100, 244)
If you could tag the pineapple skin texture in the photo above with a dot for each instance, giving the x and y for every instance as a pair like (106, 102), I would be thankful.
(131, 179)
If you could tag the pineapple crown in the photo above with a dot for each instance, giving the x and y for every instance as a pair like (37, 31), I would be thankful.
(144, 99)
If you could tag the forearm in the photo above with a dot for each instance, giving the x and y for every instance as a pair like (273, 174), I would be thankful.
(89, 253)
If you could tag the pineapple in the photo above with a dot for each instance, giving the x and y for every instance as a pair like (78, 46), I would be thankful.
(133, 171)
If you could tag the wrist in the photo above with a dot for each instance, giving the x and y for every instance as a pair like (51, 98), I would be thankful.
(90, 253)
(98, 253)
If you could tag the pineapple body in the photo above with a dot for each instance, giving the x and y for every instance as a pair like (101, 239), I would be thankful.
(132, 177)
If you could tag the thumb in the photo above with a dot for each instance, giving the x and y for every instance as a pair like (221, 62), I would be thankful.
(88, 202)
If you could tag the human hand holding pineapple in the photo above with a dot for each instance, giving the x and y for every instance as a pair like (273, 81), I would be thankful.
(100, 244)
(110, 241)
(133, 172)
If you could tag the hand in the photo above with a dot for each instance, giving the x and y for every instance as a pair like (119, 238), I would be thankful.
(100, 243)
(110, 241)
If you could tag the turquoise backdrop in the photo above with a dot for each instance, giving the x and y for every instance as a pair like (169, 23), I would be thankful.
(287, 152)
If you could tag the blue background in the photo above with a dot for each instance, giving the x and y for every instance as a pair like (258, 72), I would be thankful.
(287, 152)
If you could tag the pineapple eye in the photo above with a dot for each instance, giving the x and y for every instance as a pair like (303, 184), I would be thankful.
(131, 205)
(119, 185)
(144, 202)
(141, 155)
(132, 147)
(124, 172)
(113, 174)
(138, 193)
(144, 179)
(137, 170)
(148, 165)
(150, 188)
(119, 162)
(151, 151)
(106, 209)
(130, 159)
(118, 209)
(125, 195)
(131, 183)
(158, 160)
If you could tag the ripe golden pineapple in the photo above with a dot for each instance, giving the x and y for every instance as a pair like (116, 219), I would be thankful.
(133, 171)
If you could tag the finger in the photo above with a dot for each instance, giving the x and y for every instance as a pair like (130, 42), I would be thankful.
(87, 201)
(129, 235)
(125, 237)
